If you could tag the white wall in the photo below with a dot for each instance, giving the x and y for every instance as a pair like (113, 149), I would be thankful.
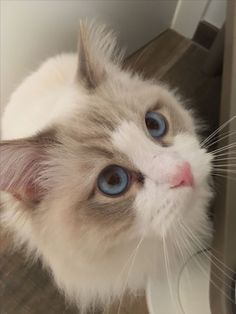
(189, 13)
(32, 30)
(216, 12)
(187, 16)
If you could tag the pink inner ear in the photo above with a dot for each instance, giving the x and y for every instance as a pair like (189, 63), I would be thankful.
(21, 167)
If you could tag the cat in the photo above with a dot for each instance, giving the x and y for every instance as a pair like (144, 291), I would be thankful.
(99, 169)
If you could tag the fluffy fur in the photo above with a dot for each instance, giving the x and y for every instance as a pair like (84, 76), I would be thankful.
(63, 125)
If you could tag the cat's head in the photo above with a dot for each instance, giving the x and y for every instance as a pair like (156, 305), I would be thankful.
(126, 163)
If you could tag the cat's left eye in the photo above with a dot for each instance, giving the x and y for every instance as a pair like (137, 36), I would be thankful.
(156, 124)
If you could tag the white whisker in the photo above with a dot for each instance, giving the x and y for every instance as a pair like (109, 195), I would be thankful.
(197, 242)
(228, 165)
(204, 271)
(167, 271)
(228, 154)
(217, 131)
(135, 252)
(224, 159)
(219, 170)
(223, 136)
(223, 176)
(225, 169)
(224, 148)
(176, 305)
(185, 259)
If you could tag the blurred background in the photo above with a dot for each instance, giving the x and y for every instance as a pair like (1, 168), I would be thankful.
(34, 30)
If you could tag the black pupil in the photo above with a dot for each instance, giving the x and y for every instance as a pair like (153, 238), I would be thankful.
(113, 178)
(152, 124)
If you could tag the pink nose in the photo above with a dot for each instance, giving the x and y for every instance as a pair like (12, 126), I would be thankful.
(182, 177)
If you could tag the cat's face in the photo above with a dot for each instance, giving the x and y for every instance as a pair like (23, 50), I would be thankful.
(127, 163)
(132, 162)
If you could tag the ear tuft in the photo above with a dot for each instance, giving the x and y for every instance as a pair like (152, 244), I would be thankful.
(23, 167)
(97, 52)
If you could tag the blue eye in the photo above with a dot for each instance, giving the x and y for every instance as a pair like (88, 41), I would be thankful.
(113, 180)
(156, 124)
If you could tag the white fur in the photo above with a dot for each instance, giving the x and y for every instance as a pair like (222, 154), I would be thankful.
(89, 268)
(158, 204)
(47, 95)
(42, 99)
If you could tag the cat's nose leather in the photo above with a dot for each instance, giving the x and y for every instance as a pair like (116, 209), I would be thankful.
(182, 177)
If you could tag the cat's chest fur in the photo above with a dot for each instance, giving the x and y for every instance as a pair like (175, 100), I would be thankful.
(44, 97)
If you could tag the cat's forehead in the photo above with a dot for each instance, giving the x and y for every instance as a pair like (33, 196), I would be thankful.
(118, 101)
(93, 126)
(109, 107)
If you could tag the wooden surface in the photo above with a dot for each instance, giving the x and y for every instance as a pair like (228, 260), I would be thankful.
(25, 288)
(205, 34)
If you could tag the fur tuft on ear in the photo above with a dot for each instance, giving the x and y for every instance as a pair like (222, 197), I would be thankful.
(23, 165)
(97, 50)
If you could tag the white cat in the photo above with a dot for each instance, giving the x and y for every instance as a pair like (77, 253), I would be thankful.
(100, 170)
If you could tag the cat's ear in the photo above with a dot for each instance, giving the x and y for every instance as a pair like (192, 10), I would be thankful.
(97, 52)
(24, 166)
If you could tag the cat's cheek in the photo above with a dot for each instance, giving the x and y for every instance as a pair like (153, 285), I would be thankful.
(188, 147)
(201, 168)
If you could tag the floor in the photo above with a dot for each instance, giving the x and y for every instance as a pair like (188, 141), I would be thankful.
(25, 288)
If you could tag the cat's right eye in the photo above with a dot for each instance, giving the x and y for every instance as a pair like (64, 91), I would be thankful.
(113, 180)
